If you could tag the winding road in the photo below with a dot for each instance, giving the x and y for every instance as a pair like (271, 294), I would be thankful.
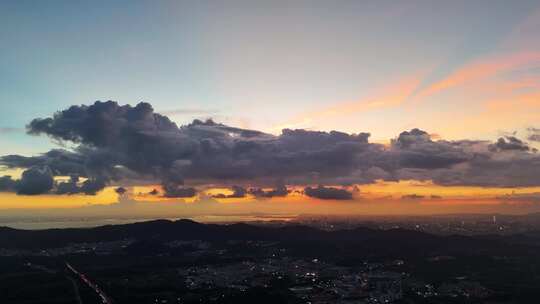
(104, 298)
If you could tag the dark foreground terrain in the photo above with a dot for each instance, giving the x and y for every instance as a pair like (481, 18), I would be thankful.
(188, 262)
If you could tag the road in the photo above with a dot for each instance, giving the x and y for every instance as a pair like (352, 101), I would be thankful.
(104, 298)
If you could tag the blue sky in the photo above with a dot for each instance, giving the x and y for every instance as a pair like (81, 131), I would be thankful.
(257, 64)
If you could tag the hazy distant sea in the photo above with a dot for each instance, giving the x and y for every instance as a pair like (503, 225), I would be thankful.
(47, 223)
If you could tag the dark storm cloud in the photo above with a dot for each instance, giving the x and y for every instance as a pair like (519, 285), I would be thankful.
(509, 162)
(408, 138)
(90, 186)
(415, 149)
(120, 190)
(280, 191)
(328, 193)
(103, 124)
(36, 180)
(179, 191)
(7, 184)
(112, 137)
(69, 187)
(61, 162)
(114, 142)
(509, 143)
(150, 144)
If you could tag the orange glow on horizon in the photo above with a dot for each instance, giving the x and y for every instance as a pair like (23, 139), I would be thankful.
(378, 196)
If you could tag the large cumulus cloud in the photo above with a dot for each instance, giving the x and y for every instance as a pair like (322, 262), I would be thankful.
(118, 142)
(415, 149)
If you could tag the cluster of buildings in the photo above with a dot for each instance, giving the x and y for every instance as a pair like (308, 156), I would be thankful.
(271, 265)
(440, 225)
(459, 288)
(98, 248)
(311, 280)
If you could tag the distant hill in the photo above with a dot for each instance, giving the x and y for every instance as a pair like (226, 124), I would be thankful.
(165, 230)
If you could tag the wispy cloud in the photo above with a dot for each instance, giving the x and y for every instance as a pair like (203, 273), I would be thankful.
(8, 130)
(391, 96)
(480, 70)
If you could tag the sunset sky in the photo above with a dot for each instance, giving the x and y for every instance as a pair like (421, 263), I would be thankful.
(229, 107)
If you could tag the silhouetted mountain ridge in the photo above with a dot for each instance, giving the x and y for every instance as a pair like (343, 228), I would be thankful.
(166, 230)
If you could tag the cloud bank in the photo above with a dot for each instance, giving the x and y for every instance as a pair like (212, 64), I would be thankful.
(114, 143)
